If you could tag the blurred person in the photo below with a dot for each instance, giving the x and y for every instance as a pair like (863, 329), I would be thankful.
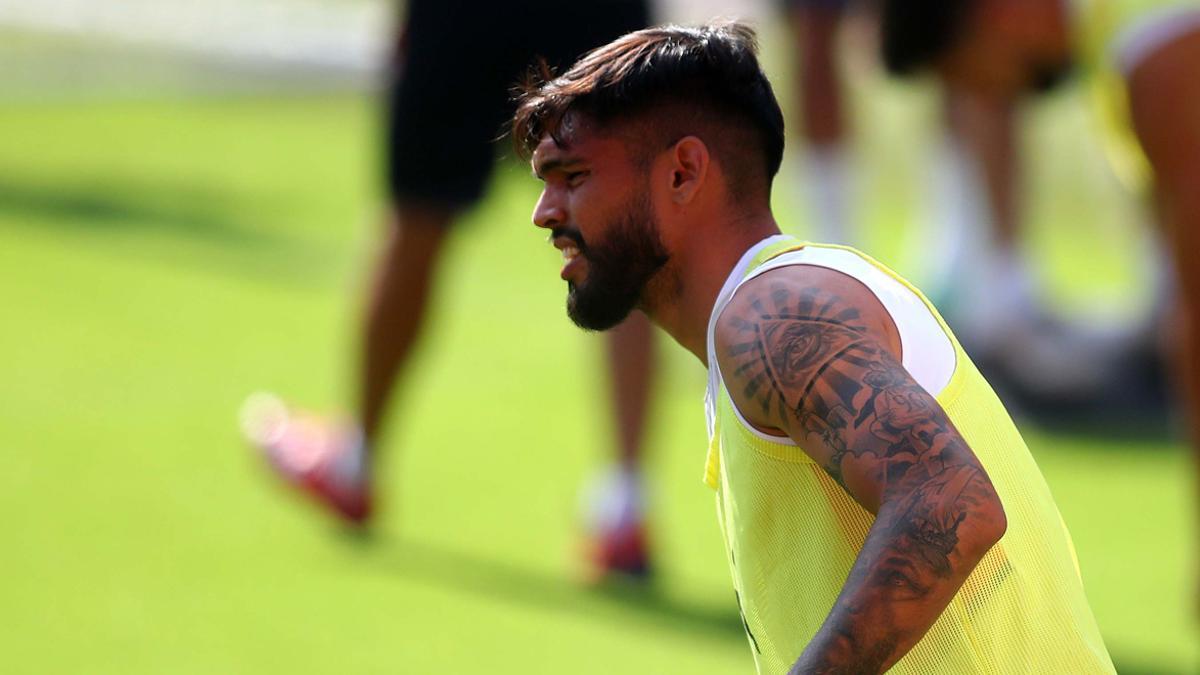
(985, 279)
(1146, 53)
(978, 198)
(456, 63)
(879, 507)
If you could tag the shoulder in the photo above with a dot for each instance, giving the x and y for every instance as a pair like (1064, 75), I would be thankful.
(781, 327)
(807, 293)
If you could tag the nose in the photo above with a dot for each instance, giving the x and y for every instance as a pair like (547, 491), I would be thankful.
(548, 212)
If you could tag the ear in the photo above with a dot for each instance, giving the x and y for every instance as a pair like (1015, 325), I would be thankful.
(689, 169)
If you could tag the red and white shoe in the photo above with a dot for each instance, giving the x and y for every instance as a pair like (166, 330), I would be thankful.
(619, 553)
(323, 458)
(617, 542)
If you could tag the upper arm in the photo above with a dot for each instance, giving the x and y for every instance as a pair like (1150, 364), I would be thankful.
(812, 352)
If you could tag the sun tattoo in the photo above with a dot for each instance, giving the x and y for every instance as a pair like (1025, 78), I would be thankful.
(786, 338)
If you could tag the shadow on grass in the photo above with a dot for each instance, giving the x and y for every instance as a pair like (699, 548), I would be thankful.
(196, 224)
(462, 572)
(162, 207)
(496, 580)
(1134, 404)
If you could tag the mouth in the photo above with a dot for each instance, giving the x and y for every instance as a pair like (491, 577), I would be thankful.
(571, 257)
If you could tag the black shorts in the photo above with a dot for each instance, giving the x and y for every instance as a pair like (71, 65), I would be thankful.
(452, 97)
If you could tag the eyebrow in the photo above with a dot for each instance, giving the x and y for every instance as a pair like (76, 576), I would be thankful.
(554, 164)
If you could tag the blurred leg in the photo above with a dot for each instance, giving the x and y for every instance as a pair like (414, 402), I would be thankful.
(396, 305)
(998, 294)
(822, 118)
(951, 243)
(987, 128)
(614, 503)
(1164, 95)
(330, 460)
(814, 27)
(631, 368)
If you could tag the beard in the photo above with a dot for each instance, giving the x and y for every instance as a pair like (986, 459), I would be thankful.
(619, 267)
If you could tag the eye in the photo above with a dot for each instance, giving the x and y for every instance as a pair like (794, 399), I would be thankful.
(574, 178)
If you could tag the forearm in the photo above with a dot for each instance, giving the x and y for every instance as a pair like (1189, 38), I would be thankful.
(916, 556)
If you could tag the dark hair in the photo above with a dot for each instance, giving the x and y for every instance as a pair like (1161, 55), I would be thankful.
(678, 81)
(914, 33)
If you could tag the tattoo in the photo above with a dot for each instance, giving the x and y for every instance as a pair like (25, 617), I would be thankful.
(807, 362)
(871, 660)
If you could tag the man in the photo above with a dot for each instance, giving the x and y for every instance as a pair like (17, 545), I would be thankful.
(1144, 57)
(440, 155)
(878, 506)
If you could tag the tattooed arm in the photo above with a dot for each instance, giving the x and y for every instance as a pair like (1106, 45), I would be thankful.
(810, 353)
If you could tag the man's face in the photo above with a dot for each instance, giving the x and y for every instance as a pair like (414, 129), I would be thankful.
(1010, 47)
(596, 204)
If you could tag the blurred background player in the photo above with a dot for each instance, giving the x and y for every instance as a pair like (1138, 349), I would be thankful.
(994, 294)
(999, 50)
(455, 63)
(996, 302)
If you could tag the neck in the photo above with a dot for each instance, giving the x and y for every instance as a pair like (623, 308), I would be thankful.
(699, 267)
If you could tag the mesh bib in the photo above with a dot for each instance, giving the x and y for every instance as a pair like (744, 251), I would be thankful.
(791, 534)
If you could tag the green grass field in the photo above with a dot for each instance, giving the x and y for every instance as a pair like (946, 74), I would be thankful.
(161, 258)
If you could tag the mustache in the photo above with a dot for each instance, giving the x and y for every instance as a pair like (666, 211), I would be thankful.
(570, 233)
